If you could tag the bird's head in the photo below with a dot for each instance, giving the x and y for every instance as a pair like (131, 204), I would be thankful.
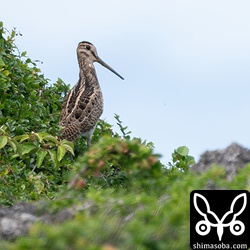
(87, 51)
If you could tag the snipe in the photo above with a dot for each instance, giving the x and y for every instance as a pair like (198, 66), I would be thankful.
(83, 105)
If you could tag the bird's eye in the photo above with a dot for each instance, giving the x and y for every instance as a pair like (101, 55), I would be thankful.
(87, 47)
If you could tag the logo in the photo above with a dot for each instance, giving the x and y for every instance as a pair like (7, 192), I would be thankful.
(219, 218)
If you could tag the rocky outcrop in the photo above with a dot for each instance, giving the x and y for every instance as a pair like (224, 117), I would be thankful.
(231, 158)
(16, 220)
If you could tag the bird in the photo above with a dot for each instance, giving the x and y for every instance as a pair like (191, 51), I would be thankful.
(83, 105)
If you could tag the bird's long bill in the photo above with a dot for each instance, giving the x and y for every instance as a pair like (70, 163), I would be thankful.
(108, 67)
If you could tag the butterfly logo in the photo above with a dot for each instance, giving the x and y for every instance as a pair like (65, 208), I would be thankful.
(203, 227)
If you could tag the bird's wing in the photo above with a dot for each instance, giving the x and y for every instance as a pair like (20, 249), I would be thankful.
(79, 103)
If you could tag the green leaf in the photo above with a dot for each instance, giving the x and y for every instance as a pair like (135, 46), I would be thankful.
(13, 33)
(39, 185)
(2, 131)
(14, 156)
(24, 53)
(13, 145)
(190, 160)
(183, 151)
(21, 138)
(2, 64)
(6, 72)
(60, 152)
(69, 143)
(42, 135)
(38, 136)
(53, 157)
(16, 146)
(28, 147)
(69, 146)
(40, 154)
(50, 138)
(3, 141)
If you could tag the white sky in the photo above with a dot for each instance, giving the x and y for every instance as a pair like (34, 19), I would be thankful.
(185, 63)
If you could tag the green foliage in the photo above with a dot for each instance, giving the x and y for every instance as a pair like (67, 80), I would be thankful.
(123, 129)
(28, 103)
(39, 144)
(181, 160)
(118, 162)
(32, 164)
(126, 198)
(129, 219)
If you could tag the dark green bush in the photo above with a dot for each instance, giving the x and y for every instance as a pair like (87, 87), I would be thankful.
(30, 152)
(28, 102)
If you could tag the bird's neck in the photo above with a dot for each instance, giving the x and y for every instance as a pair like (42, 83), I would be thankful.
(87, 71)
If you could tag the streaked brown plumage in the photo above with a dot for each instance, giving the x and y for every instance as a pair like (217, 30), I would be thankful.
(83, 105)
